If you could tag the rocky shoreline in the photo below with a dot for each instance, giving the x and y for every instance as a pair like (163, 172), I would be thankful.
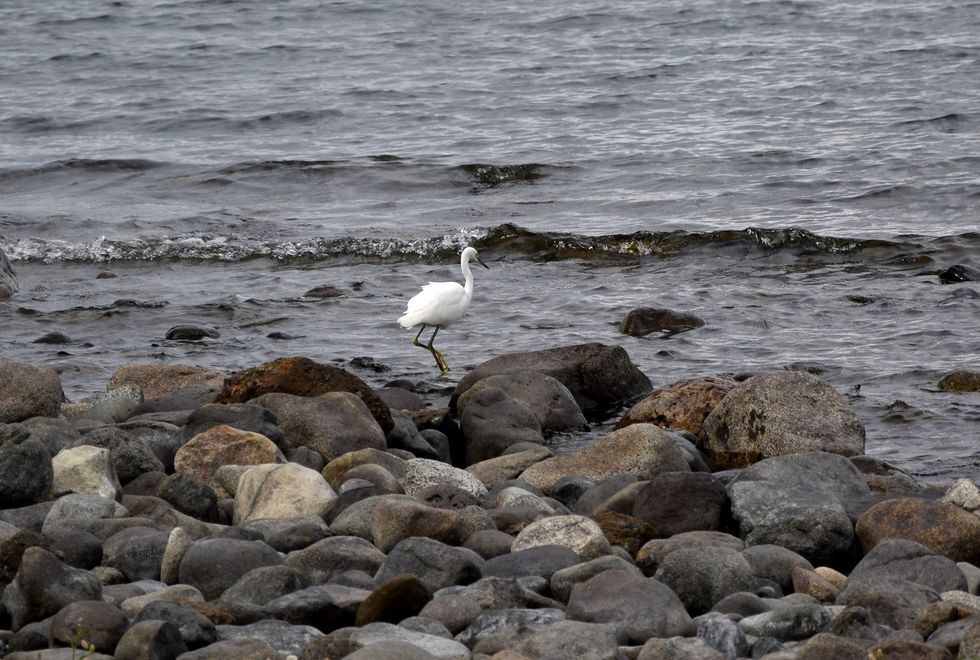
(292, 510)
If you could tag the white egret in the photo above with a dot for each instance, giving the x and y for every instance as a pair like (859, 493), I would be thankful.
(439, 304)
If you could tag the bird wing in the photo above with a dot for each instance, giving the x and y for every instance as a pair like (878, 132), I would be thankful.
(439, 303)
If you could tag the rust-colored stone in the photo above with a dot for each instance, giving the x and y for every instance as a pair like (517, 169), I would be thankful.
(681, 405)
(942, 527)
(625, 531)
(961, 381)
(155, 380)
(302, 377)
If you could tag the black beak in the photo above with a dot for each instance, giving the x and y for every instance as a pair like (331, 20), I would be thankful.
(483, 264)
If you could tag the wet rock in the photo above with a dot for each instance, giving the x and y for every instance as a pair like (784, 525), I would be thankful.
(213, 565)
(676, 502)
(682, 405)
(436, 564)
(281, 491)
(600, 377)
(397, 519)
(883, 477)
(98, 623)
(26, 471)
(332, 423)
(395, 599)
(43, 585)
(53, 338)
(551, 403)
(302, 377)
(8, 280)
(492, 421)
(944, 528)
(575, 639)
(642, 450)
(454, 611)
(820, 494)
(493, 621)
(244, 417)
(894, 602)
(28, 391)
(222, 445)
(776, 563)
(958, 273)
(406, 436)
(157, 640)
(960, 381)
(578, 533)
(542, 560)
(421, 473)
(702, 577)
(333, 555)
(130, 457)
(638, 607)
(116, 405)
(188, 332)
(652, 554)
(642, 321)
(156, 380)
(780, 413)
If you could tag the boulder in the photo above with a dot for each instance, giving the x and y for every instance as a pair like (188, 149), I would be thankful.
(676, 502)
(551, 403)
(365, 637)
(776, 563)
(54, 433)
(600, 377)
(487, 623)
(562, 582)
(130, 457)
(302, 377)
(908, 560)
(541, 560)
(551, 641)
(189, 496)
(702, 577)
(678, 648)
(85, 469)
(643, 450)
(638, 607)
(682, 405)
(242, 416)
(156, 380)
(894, 602)
(27, 390)
(8, 280)
(941, 527)
(421, 473)
(213, 565)
(222, 445)
(624, 531)
(43, 585)
(81, 506)
(435, 564)
(960, 381)
(455, 611)
(397, 519)
(101, 625)
(334, 555)
(115, 405)
(787, 622)
(334, 472)
(357, 515)
(778, 413)
(265, 583)
(495, 471)
(240, 649)
(642, 321)
(286, 638)
(492, 421)
(578, 533)
(26, 471)
(396, 599)
(281, 491)
(332, 424)
(153, 639)
(653, 552)
(136, 552)
(819, 496)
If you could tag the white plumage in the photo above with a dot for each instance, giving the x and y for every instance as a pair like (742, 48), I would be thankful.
(440, 304)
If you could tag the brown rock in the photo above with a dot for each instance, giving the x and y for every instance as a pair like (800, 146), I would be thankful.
(494, 471)
(970, 646)
(941, 527)
(396, 519)
(642, 321)
(28, 390)
(682, 405)
(832, 576)
(906, 649)
(335, 470)
(961, 381)
(936, 614)
(395, 600)
(813, 584)
(221, 445)
(303, 377)
(625, 531)
(155, 380)
(643, 450)
(653, 552)
(824, 646)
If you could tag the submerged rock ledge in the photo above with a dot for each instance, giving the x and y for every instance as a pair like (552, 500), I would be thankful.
(295, 511)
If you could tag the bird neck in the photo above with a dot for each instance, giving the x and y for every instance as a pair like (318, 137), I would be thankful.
(467, 276)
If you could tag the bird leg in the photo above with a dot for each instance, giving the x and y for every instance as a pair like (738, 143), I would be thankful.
(440, 361)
